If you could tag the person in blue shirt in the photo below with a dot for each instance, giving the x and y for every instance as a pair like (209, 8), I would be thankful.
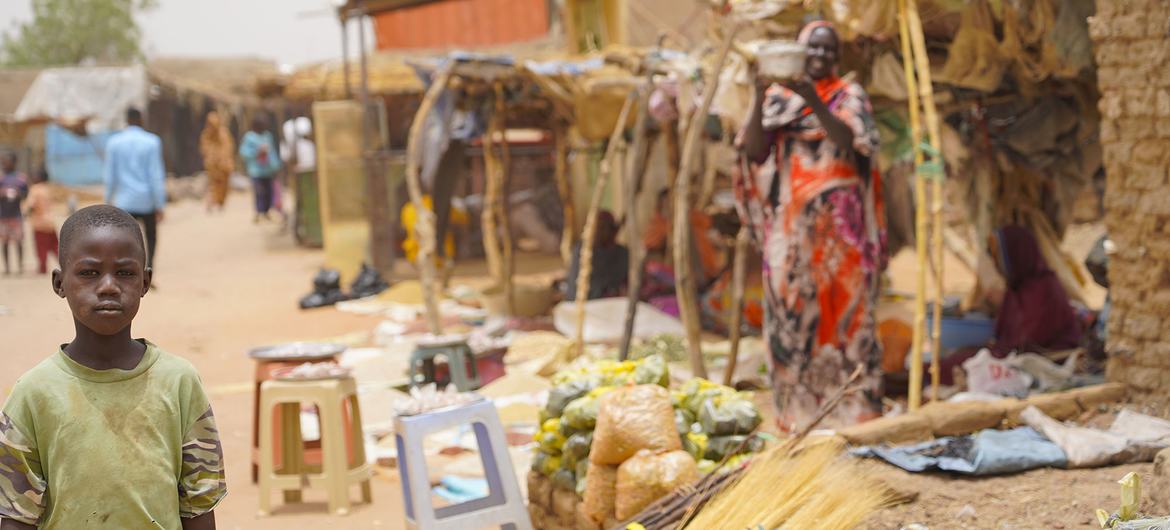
(134, 177)
(262, 162)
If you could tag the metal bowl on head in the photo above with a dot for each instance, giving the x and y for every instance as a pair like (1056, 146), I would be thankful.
(298, 351)
(781, 60)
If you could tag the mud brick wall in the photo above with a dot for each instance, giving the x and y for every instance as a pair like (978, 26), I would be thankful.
(1132, 46)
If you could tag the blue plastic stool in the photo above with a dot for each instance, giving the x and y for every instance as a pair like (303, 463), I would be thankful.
(503, 506)
(460, 362)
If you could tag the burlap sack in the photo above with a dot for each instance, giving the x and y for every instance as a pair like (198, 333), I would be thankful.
(649, 476)
(630, 420)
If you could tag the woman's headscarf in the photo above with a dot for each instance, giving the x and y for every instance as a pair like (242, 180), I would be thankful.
(1035, 315)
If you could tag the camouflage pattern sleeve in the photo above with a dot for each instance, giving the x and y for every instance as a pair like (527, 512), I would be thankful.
(22, 482)
(201, 481)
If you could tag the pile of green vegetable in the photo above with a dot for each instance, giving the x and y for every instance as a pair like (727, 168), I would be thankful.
(712, 420)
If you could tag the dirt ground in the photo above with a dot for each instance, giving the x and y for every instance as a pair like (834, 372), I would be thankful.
(226, 285)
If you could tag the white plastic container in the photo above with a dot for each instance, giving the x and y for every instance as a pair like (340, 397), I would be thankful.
(781, 59)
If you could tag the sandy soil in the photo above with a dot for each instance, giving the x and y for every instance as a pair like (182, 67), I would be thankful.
(226, 285)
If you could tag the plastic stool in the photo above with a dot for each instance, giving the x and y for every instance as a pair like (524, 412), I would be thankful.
(337, 472)
(502, 507)
(460, 362)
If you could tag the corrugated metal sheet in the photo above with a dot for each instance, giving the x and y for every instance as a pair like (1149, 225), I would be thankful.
(462, 23)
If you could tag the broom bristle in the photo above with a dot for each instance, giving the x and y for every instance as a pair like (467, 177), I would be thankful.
(812, 489)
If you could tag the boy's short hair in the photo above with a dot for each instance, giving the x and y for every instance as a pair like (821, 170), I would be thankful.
(92, 217)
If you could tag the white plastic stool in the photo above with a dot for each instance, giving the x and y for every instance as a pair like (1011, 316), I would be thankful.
(503, 506)
(339, 471)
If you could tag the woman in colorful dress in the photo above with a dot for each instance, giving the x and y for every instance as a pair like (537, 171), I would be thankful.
(219, 159)
(808, 191)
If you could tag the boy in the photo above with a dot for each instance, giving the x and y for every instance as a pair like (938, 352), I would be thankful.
(40, 201)
(13, 190)
(109, 432)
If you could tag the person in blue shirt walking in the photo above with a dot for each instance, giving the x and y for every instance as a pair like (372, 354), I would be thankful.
(134, 177)
(262, 162)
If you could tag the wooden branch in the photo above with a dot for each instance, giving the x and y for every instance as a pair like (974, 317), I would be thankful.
(508, 271)
(491, 199)
(926, 93)
(565, 190)
(915, 390)
(685, 285)
(585, 258)
(425, 225)
(635, 168)
(735, 320)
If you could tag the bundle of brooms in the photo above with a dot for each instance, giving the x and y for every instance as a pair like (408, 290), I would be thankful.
(792, 485)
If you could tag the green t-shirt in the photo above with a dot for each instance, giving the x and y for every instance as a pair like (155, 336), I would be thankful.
(83, 448)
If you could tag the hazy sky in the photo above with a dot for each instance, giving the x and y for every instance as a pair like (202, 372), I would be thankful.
(288, 31)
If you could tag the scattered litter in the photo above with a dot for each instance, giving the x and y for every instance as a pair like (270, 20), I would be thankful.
(312, 371)
(990, 452)
(428, 397)
(1133, 437)
(458, 490)
(1047, 375)
(986, 374)
(967, 512)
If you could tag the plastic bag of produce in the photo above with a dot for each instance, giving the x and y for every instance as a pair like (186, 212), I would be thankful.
(600, 492)
(576, 448)
(546, 464)
(581, 414)
(649, 476)
(632, 419)
(721, 447)
(563, 394)
(565, 479)
(697, 391)
(652, 371)
(683, 420)
(695, 444)
(725, 415)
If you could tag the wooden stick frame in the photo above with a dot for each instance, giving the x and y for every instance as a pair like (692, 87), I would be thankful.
(425, 225)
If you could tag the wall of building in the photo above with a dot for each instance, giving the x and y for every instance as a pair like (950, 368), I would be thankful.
(1132, 46)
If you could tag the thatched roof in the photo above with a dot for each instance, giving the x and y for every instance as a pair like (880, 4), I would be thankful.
(13, 85)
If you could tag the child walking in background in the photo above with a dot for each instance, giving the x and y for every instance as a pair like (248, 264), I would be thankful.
(109, 431)
(40, 202)
(13, 191)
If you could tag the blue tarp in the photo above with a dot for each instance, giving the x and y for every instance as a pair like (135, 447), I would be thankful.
(989, 452)
(74, 160)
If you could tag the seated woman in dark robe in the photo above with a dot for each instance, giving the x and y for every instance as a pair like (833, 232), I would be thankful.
(1035, 315)
(611, 263)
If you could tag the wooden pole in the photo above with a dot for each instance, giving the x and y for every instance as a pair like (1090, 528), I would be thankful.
(926, 93)
(635, 167)
(585, 260)
(565, 189)
(491, 197)
(505, 181)
(915, 390)
(685, 285)
(735, 320)
(425, 226)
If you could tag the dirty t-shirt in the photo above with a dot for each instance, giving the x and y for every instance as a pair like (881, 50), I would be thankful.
(83, 448)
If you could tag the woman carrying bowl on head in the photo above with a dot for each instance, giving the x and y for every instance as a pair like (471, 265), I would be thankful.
(809, 190)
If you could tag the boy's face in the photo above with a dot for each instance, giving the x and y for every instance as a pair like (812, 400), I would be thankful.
(103, 278)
